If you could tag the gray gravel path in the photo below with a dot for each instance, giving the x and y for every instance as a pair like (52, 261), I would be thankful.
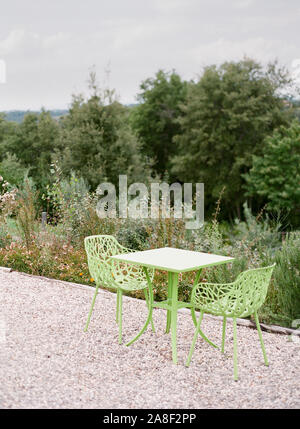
(47, 361)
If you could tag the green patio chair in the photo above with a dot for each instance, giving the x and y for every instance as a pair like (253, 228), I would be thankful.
(112, 274)
(241, 298)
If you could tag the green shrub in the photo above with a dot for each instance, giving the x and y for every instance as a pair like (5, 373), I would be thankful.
(283, 301)
(5, 238)
(133, 234)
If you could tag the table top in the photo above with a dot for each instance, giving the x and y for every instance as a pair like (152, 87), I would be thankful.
(171, 259)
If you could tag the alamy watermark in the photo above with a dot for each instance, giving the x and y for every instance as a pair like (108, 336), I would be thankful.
(2, 71)
(139, 202)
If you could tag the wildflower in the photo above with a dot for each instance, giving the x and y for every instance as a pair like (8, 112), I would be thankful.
(81, 274)
(91, 279)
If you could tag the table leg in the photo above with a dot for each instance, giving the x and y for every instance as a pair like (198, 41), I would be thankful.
(192, 308)
(174, 277)
(147, 302)
(169, 301)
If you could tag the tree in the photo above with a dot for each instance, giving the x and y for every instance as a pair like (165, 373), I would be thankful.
(7, 131)
(276, 175)
(12, 170)
(155, 119)
(33, 144)
(227, 115)
(97, 142)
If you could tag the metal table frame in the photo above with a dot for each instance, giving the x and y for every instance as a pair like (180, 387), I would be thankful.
(171, 304)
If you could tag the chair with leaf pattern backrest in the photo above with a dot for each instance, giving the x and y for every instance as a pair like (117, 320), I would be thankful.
(241, 298)
(113, 274)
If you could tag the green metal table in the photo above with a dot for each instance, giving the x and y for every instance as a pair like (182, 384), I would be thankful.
(174, 261)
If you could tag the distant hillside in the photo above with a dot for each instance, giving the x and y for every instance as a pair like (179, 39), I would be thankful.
(18, 115)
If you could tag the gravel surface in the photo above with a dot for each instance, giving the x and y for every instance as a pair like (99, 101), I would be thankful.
(47, 361)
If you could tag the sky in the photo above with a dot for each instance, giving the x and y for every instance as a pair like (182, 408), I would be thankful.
(47, 48)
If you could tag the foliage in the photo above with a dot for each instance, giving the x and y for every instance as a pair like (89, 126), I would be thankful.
(276, 175)
(75, 207)
(260, 231)
(12, 170)
(133, 234)
(283, 301)
(97, 142)
(224, 121)
(33, 144)
(62, 262)
(26, 212)
(7, 131)
(5, 238)
(155, 119)
(8, 201)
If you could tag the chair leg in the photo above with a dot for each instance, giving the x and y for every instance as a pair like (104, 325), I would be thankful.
(174, 310)
(120, 293)
(117, 309)
(200, 332)
(223, 334)
(194, 340)
(235, 353)
(169, 300)
(261, 339)
(193, 314)
(148, 303)
(149, 318)
(91, 309)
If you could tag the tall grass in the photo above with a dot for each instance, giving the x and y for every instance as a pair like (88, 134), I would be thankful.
(26, 213)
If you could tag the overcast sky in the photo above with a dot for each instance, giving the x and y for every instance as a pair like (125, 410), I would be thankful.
(49, 46)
